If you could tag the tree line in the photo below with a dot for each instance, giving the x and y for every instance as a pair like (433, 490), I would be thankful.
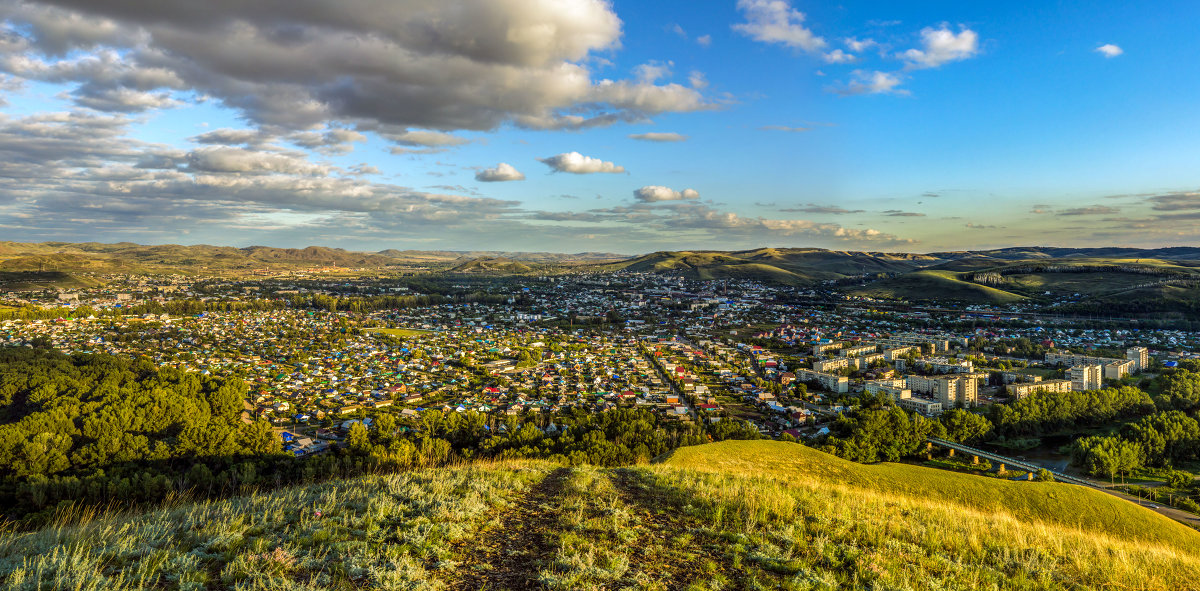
(97, 429)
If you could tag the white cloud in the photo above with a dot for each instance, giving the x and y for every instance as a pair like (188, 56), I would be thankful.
(577, 163)
(465, 65)
(653, 71)
(501, 172)
(225, 159)
(859, 46)
(838, 56)
(704, 40)
(1109, 50)
(871, 83)
(940, 46)
(697, 80)
(429, 139)
(656, 193)
(659, 136)
(775, 21)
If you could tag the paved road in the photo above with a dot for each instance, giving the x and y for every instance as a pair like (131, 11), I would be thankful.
(671, 384)
(1180, 516)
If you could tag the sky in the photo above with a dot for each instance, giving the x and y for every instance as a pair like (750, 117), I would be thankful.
(590, 126)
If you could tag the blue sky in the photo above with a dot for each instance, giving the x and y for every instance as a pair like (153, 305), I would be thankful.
(580, 125)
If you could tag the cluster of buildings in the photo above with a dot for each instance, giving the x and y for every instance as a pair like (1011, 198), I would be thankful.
(1084, 372)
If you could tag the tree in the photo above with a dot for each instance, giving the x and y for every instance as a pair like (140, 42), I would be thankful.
(965, 427)
(358, 439)
(1179, 479)
(1045, 475)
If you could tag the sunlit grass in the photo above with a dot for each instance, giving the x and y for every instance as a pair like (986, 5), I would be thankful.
(383, 532)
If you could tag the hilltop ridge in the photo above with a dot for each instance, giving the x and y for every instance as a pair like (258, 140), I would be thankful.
(731, 515)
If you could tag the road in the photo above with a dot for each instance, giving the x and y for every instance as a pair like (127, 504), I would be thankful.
(1176, 514)
(671, 384)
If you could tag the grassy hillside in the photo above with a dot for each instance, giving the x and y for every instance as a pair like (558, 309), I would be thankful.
(491, 265)
(732, 515)
(38, 280)
(789, 266)
(934, 285)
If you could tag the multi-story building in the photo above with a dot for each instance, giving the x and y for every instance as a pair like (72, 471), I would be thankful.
(891, 353)
(943, 365)
(1018, 377)
(858, 350)
(1085, 377)
(950, 390)
(896, 388)
(924, 406)
(831, 382)
(1019, 391)
(1140, 357)
(1118, 369)
(831, 364)
(821, 348)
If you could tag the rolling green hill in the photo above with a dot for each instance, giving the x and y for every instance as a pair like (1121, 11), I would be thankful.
(731, 515)
(934, 285)
(491, 265)
(788, 266)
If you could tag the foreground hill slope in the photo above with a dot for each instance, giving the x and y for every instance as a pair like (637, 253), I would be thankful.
(732, 515)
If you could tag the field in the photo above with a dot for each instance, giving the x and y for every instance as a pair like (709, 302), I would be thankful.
(732, 515)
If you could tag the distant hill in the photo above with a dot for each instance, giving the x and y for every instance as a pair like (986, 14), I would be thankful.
(731, 515)
(527, 257)
(495, 265)
(792, 266)
(984, 279)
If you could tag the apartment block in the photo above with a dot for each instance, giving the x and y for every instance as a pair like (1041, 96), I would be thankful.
(924, 406)
(831, 382)
(950, 390)
(1118, 369)
(1019, 391)
(1085, 377)
(1140, 357)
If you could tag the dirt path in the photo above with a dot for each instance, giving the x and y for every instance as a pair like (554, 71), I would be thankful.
(509, 556)
(701, 560)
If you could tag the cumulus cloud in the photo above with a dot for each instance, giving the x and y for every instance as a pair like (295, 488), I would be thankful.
(1109, 50)
(653, 71)
(876, 82)
(576, 163)
(430, 139)
(226, 159)
(838, 56)
(498, 173)
(858, 46)
(775, 21)
(656, 193)
(704, 40)
(659, 136)
(297, 64)
(940, 46)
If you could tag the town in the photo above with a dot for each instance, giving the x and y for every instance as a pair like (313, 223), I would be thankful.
(515, 351)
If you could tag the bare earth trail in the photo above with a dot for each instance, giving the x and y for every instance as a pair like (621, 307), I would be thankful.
(508, 556)
(654, 552)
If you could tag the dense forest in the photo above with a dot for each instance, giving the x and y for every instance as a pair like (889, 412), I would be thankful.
(96, 429)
